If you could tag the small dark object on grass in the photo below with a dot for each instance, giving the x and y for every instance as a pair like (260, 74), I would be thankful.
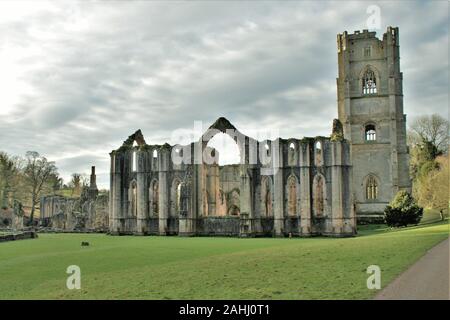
(84, 244)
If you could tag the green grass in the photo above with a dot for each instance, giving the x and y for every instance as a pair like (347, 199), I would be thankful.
(210, 268)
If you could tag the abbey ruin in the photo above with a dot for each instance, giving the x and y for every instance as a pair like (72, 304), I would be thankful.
(281, 187)
(89, 212)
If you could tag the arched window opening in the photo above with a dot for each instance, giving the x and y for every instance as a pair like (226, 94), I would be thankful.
(318, 145)
(371, 188)
(267, 147)
(175, 198)
(318, 153)
(292, 196)
(225, 150)
(134, 161)
(371, 133)
(178, 199)
(155, 154)
(369, 82)
(318, 197)
(292, 157)
(266, 198)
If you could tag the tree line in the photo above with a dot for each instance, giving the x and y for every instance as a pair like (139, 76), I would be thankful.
(26, 179)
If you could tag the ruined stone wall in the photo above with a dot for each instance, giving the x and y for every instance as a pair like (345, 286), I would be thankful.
(75, 214)
(303, 189)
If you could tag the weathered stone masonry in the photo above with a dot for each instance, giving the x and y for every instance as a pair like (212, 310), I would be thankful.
(370, 107)
(301, 187)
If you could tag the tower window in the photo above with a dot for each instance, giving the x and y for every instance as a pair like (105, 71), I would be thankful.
(371, 133)
(371, 188)
(369, 83)
(367, 52)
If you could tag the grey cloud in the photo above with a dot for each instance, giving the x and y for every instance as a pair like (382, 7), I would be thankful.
(159, 66)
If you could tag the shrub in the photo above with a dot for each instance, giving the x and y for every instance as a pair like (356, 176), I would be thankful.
(402, 211)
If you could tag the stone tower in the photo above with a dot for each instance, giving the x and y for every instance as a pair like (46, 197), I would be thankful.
(93, 191)
(370, 107)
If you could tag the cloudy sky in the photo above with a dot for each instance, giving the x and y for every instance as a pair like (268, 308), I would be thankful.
(77, 78)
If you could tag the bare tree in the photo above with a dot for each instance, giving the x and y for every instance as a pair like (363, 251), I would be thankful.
(38, 172)
(430, 129)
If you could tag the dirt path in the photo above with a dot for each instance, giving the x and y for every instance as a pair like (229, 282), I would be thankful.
(427, 279)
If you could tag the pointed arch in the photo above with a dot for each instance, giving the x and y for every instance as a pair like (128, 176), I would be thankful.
(175, 197)
(319, 195)
(292, 153)
(371, 187)
(369, 80)
(153, 203)
(266, 197)
(292, 191)
(318, 153)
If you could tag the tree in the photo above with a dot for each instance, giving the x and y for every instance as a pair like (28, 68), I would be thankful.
(431, 130)
(9, 178)
(77, 183)
(38, 173)
(402, 211)
(432, 189)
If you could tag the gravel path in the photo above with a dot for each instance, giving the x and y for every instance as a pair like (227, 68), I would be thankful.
(427, 279)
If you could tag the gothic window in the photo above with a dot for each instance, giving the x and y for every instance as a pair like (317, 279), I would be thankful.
(291, 154)
(371, 133)
(179, 197)
(318, 195)
(318, 153)
(371, 188)
(292, 196)
(175, 198)
(369, 82)
(266, 197)
(267, 147)
(155, 154)
(134, 162)
(367, 52)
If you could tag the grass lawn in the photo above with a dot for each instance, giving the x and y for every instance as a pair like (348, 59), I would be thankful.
(210, 268)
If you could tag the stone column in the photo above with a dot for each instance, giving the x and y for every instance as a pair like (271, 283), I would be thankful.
(278, 184)
(116, 198)
(141, 221)
(336, 189)
(305, 191)
(163, 192)
(245, 199)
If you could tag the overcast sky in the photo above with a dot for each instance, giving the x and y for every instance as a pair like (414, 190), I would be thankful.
(77, 78)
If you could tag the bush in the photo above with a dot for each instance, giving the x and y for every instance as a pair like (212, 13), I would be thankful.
(402, 211)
